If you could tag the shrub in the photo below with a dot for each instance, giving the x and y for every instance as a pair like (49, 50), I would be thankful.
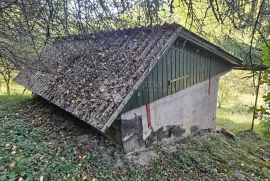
(265, 127)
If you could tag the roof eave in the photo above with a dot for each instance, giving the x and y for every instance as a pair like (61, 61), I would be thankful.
(195, 39)
(251, 68)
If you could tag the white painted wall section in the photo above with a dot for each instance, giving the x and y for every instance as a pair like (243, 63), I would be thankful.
(192, 106)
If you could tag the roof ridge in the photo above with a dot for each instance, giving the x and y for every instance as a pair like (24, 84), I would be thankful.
(118, 30)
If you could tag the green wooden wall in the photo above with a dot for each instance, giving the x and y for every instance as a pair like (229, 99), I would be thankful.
(182, 66)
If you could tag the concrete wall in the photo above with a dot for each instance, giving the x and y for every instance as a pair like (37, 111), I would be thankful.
(179, 114)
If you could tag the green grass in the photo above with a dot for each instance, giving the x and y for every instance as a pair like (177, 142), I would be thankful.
(45, 145)
(49, 149)
(235, 114)
(14, 88)
(38, 141)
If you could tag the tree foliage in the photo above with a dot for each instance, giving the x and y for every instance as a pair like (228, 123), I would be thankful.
(7, 70)
(28, 26)
(224, 92)
(265, 81)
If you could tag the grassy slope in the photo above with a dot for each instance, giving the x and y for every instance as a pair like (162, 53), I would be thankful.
(38, 146)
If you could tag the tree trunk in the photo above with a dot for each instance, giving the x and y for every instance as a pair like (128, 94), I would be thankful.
(8, 87)
(256, 100)
(219, 104)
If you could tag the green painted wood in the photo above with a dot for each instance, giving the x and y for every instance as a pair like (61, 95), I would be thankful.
(197, 65)
(169, 69)
(164, 76)
(194, 65)
(140, 96)
(160, 78)
(178, 61)
(183, 69)
(173, 69)
(180, 70)
(177, 68)
(155, 83)
(145, 92)
(188, 67)
(133, 101)
(150, 87)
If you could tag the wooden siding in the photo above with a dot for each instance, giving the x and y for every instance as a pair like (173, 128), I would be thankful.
(183, 65)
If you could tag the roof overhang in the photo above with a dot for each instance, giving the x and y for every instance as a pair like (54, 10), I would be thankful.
(252, 68)
(199, 41)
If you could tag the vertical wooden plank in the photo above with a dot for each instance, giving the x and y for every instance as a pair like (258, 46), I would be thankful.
(207, 59)
(133, 101)
(191, 64)
(198, 65)
(164, 75)
(188, 67)
(155, 82)
(169, 70)
(145, 91)
(212, 66)
(181, 72)
(139, 93)
(173, 70)
(150, 87)
(208, 65)
(201, 66)
(194, 66)
(216, 72)
(216, 65)
(160, 78)
(177, 68)
(184, 70)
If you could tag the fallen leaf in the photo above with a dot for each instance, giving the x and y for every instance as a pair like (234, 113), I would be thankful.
(12, 165)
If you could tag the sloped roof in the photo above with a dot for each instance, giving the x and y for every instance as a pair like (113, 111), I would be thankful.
(94, 76)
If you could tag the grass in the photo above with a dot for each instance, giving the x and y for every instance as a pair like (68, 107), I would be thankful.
(38, 141)
(48, 148)
(15, 88)
(235, 114)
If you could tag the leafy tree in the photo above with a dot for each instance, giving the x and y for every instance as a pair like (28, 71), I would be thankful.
(33, 25)
(265, 81)
(224, 92)
(7, 70)
(28, 27)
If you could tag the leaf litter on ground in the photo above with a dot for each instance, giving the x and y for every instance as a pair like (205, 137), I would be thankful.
(39, 140)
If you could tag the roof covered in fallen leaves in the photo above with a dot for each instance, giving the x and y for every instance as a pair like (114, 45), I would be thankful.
(94, 76)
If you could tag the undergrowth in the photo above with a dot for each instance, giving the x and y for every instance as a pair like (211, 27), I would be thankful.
(47, 145)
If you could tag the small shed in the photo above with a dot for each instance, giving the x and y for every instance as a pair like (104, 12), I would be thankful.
(137, 85)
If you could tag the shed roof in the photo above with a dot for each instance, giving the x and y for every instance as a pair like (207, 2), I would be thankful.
(94, 76)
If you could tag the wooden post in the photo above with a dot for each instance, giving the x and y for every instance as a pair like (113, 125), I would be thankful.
(256, 100)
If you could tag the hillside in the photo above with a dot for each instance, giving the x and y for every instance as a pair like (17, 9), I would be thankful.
(39, 141)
